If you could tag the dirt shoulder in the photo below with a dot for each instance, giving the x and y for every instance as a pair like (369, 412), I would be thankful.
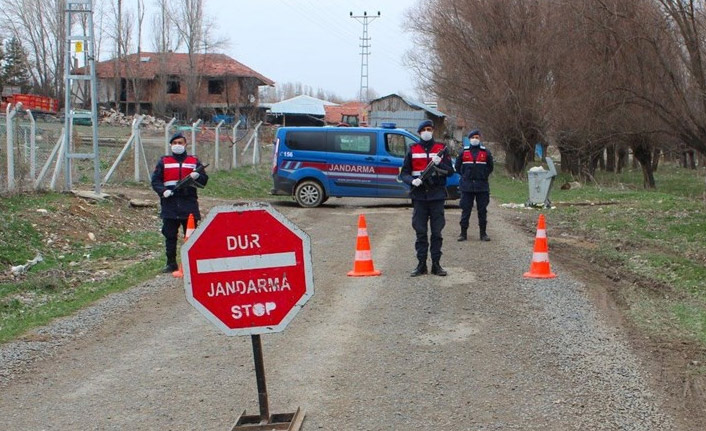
(350, 351)
(676, 365)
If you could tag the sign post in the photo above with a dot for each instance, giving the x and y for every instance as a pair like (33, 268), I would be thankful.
(248, 270)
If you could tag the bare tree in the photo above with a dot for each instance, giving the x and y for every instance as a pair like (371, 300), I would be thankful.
(187, 16)
(134, 68)
(671, 33)
(100, 17)
(115, 32)
(164, 39)
(626, 40)
(195, 30)
(487, 59)
(164, 42)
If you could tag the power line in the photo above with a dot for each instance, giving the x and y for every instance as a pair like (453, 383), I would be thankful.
(309, 15)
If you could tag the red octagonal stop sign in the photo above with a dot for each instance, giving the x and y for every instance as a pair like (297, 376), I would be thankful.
(248, 269)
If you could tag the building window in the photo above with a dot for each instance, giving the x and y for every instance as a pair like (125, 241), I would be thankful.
(173, 85)
(215, 86)
(350, 119)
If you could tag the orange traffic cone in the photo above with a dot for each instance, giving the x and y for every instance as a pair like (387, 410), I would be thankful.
(363, 263)
(190, 228)
(539, 268)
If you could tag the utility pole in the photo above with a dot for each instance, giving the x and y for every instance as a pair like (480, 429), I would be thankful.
(78, 9)
(364, 53)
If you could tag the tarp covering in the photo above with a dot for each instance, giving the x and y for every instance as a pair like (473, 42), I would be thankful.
(301, 105)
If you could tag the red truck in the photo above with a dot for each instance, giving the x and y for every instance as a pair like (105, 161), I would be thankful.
(39, 104)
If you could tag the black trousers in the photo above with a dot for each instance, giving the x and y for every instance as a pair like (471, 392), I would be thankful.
(170, 230)
(428, 215)
(482, 199)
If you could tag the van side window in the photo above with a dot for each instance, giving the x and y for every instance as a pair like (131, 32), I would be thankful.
(397, 145)
(310, 141)
(355, 143)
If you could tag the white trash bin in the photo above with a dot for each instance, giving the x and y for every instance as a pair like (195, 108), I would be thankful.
(540, 183)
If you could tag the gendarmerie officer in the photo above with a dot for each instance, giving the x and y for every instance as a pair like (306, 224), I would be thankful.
(428, 197)
(177, 204)
(474, 164)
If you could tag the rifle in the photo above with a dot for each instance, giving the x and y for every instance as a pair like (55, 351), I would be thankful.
(188, 181)
(432, 170)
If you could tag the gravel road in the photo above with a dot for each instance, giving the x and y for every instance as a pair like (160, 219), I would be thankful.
(480, 349)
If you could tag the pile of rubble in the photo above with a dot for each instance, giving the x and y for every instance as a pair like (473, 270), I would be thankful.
(112, 117)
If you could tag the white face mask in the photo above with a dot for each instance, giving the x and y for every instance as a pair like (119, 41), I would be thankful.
(475, 142)
(178, 149)
(427, 135)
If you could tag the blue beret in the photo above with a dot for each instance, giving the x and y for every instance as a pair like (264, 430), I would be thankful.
(474, 132)
(177, 135)
(423, 124)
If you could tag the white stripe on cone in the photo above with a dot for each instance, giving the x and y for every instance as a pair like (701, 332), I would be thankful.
(362, 255)
(540, 257)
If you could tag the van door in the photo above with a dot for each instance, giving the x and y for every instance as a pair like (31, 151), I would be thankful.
(351, 165)
(391, 153)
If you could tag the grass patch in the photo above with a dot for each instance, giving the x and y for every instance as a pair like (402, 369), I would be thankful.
(245, 182)
(659, 236)
(40, 305)
(692, 318)
(20, 240)
(76, 271)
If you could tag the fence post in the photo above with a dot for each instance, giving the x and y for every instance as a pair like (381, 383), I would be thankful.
(137, 144)
(129, 142)
(256, 160)
(193, 136)
(255, 151)
(234, 162)
(218, 144)
(45, 168)
(166, 135)
(32, 145)
(9, 125)
(63, 148)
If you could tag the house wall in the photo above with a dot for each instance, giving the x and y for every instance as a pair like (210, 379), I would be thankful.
(408, 120)
(153, 90)
(391, 104)
(395, 110)
(105, 91)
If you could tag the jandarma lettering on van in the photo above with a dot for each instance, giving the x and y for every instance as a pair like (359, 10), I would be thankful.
(352, 168)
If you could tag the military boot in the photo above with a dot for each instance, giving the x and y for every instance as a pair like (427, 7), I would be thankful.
(421, 269)
(171, 265)
(484, 236)
(436, 269)
(464, 234)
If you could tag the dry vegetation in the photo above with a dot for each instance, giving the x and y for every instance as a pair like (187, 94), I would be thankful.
(588, 76)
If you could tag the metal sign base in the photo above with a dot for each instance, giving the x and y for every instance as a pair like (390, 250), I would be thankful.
(278, 421)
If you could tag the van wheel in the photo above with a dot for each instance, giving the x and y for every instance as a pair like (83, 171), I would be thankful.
(309, 194)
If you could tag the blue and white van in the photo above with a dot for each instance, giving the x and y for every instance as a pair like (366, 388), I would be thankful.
(313, 164)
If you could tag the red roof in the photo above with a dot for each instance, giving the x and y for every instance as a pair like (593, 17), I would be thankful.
(152, 64)
(334, 113)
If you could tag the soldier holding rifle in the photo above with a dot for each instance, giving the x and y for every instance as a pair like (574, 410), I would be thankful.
(425, 168)
(175, 179)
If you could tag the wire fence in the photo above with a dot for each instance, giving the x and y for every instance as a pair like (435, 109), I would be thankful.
(33, 161)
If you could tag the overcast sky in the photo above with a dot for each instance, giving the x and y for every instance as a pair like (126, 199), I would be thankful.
(316, 42)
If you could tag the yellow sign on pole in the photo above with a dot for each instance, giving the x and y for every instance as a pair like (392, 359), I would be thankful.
(79, 46)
